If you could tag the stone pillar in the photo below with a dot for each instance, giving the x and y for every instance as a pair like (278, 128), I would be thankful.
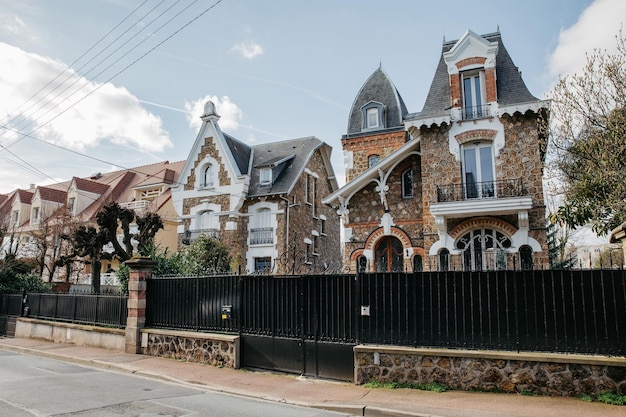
(140, 272)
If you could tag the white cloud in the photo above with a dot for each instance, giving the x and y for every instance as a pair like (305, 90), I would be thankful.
(596, 28)
(104, 112)
(230, 114)
(248, 49)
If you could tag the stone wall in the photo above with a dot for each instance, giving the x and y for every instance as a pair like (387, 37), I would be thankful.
(208, 348)
(543, 374)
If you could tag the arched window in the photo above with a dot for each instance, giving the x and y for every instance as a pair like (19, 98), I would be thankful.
(372, 160)
(361, 264)
(389, 255)
(407, 183)
(444, 260)
(417, 264)
(526, 257)
(207, 178)
(483, 249)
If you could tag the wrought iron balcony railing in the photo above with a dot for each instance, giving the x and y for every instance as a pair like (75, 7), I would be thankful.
(480, 190)
(476, 112)
(192, 235)
(262, 235)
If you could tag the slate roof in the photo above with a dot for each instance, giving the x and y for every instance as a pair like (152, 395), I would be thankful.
(241, 153)
(379, 88)
(511, 89)
(294, 153)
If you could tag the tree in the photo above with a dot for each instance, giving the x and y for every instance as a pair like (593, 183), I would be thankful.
(206, 256)
(47, 239)
(588, 139)
(89, 242)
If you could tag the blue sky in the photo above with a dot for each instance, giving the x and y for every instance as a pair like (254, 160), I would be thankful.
(276, 69)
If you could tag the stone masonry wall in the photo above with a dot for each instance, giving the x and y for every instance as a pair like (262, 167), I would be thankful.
(498, 373)
(194, 348)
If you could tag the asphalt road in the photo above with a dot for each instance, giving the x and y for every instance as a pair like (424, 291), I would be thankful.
(36, 386)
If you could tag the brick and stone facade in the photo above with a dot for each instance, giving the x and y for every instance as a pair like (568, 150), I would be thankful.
(476, 154)
(263, 202)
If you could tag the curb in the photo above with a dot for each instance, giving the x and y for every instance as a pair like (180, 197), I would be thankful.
(351, 409)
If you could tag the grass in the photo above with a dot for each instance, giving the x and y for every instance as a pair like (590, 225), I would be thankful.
(431, 386)
(612, 399)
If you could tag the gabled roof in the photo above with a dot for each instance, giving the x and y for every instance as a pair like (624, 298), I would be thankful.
(90, 186)
(347, 191)
(25, 196)
(293, 154)
(378, 88)
(510, 86)
(52, 194)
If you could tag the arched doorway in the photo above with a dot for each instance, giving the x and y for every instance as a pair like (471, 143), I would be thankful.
(389, 255)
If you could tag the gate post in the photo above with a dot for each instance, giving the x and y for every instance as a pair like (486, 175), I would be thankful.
(140, 272)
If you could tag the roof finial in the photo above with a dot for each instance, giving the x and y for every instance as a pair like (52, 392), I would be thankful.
(380, 63)
(498, 28)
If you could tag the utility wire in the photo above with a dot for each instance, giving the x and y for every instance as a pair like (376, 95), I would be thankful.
(68, 67)
(81, 78)
(98, 87)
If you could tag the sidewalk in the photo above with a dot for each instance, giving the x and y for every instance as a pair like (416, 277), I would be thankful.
(328, 395)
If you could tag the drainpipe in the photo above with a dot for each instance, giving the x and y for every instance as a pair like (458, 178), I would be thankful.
(287, 207)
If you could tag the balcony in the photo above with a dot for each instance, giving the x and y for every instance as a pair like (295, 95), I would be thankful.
(191, 236)
(137, 206)
(480, 190)
(262, 236)
(476, 112)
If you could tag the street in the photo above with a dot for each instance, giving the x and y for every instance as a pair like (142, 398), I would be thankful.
(37, 386)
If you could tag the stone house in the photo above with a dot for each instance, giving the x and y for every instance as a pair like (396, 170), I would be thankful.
(457, 185)
(263, 201)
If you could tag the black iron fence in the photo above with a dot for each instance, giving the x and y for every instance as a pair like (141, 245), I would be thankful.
(92, 309)
(479, 190)
(540, 310)
(286, 306)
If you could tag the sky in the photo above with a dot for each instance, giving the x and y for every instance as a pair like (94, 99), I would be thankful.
(101, 85)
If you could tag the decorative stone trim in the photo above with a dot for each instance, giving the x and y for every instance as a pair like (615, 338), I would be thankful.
(479, 222)
(477, 134)
(476, 60)
(540, 373)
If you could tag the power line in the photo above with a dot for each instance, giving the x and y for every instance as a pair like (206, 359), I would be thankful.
(80, 78)
(72, 64)
(5, 148)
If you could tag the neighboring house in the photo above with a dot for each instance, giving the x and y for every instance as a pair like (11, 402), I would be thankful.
(50, 210)
(263, 201)
(618, 236)
(455, 186)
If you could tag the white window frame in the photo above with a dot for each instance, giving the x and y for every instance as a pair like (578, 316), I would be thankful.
(35, 215)
(265, 176)
(481, 177)
(372, 118)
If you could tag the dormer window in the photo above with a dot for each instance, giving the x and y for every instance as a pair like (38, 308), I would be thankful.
(473, 86)
(71, 202)
(15, 217)
(372, 115)
(266, 176)
(35, 216)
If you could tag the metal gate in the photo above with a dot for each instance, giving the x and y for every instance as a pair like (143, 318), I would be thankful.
(299, 324)
(10, 310)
